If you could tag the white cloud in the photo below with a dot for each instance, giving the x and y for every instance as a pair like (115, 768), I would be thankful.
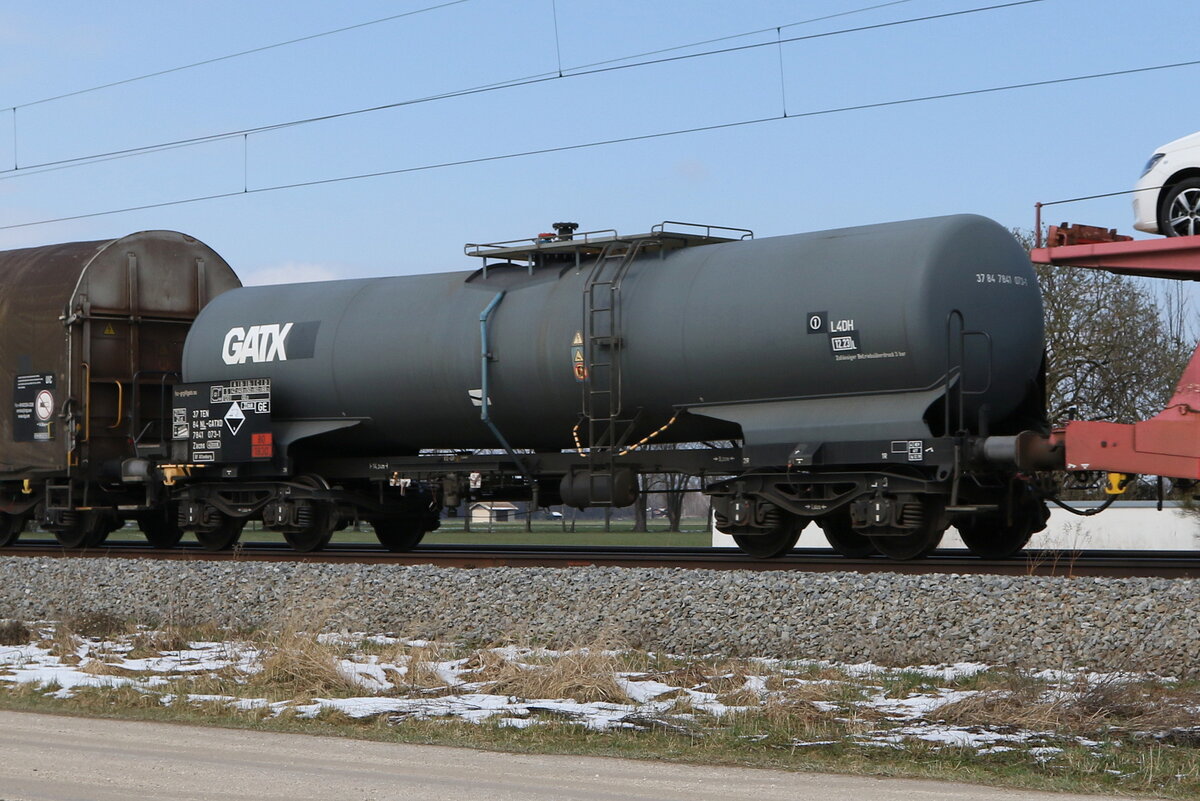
(692, 170)
(289, 273)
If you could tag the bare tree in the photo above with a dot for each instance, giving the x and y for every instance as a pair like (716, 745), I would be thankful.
(639, 506)
(1115, 348)
(672, 487)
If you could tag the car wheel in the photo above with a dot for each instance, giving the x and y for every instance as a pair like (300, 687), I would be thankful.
(1179, 214)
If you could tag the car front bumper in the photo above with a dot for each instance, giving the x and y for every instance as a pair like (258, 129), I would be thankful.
(1145, 202)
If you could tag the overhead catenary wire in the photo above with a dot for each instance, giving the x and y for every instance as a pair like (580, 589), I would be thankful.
(605, 142)
(570, 72)
(744, 34)
(390, 18)
(239, 54)
(557, 41)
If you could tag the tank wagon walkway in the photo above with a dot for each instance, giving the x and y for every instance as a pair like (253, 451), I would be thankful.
(50, 758)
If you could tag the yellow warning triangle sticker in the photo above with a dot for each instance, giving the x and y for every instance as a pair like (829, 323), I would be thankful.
(578, 340)
(109, 330)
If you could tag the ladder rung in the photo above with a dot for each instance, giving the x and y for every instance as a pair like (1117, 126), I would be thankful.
(603, 388)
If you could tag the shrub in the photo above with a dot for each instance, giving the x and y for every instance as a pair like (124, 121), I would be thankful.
(14, 632)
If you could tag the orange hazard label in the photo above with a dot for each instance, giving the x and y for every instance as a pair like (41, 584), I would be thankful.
(577, 361)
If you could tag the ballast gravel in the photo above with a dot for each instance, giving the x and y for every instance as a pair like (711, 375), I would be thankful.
(1136, 624)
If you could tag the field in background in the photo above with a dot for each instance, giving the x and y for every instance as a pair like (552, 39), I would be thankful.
(695, 534)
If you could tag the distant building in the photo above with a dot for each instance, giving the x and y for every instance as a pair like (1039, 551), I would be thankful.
(495, 512)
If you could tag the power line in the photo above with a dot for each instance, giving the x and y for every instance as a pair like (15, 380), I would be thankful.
(599, 68)
(239, 54)
(746, 33)
(557, 43)
(356, 26)
(615, 141)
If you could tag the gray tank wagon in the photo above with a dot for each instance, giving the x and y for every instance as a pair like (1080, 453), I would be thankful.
(91, 339)
(874, 379)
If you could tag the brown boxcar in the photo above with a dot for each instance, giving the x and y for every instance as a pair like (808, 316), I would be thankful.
(91, 339)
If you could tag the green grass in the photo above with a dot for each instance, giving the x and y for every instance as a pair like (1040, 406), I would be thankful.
(695, 534)
(1149, 769)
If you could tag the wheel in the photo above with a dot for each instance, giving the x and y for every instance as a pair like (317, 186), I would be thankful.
(993, 536)
(11, 527)
(308, 540)
(315, 535)
(323, 519)
(774, 543)
(89, 530)
(223, 537)
(398, 535)
(843, 538)
(915, 542)
(1180, 209)
(162, 528)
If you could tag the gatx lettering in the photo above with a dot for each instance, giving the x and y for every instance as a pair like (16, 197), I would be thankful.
(258, 343)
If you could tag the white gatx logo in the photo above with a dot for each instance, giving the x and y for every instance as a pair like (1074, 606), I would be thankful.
(258, 343)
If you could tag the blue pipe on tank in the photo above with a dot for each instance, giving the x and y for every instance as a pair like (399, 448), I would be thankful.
(485, 357)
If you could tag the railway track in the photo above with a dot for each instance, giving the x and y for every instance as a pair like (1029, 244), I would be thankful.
(1161, 564)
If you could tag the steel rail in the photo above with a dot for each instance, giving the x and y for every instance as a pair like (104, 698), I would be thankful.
(1158, 564)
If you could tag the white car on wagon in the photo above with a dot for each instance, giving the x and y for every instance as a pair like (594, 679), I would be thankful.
(1166, 200)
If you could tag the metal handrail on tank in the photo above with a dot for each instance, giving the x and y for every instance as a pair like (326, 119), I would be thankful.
(585, 238)
(661, 228)
(959, 371)
(566, 240)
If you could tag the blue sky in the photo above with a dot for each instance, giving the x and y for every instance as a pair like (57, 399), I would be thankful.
(993, 154)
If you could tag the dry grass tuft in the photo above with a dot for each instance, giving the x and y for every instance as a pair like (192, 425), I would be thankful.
(742, 697)
(422, 673)
(103, 700)
(14, 632)
(1143, 704)
(818, 672)
(97, 667)
(691, 675)
(485, 665)
(94, 624)
(805, 692)
(585, 675)
(227, 681)
(205, 632)
(795, 717)
(64, 644)
(294, 663)
(1083, 707)
(990, 708)
(156, 642)
(728, 678)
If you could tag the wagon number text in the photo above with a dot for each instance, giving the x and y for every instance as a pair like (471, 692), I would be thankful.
(1001, 278)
